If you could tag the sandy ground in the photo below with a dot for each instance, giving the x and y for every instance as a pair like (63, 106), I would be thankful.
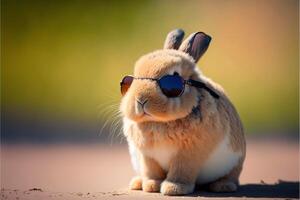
(103, 172)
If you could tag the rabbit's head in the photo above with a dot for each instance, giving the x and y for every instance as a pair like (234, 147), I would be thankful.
(145, 100)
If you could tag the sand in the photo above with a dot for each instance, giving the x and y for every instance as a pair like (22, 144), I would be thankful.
(98, 171)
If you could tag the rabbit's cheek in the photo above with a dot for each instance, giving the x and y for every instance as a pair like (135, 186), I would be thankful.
(127, 106)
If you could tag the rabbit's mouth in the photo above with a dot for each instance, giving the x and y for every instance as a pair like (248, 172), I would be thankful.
(144, 114)
(143, 117)
(147, 114)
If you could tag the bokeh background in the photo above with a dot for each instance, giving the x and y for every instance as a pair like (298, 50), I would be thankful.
(61, 62)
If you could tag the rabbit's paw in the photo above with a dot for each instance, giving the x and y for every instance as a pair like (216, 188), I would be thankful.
(223, 186)
(150, 185)
(172, 188)
(136, 183)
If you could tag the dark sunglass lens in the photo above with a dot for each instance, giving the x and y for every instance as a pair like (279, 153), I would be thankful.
(125, 84)
(171, 86)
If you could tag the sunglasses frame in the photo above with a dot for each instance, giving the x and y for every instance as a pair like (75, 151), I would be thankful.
(190, 82)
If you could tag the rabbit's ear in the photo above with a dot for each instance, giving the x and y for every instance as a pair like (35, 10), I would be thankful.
(174, 39)
(196, 45)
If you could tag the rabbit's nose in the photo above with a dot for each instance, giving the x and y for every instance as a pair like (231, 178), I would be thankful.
(141, 102)
(139, 107)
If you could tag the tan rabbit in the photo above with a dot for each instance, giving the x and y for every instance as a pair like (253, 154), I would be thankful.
(181, 128)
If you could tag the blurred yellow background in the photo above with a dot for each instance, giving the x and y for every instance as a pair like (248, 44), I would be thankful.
(64, 59)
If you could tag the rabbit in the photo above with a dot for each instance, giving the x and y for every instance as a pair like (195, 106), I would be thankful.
(193, 139)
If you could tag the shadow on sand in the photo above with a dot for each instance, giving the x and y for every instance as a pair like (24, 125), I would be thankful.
(282, 189)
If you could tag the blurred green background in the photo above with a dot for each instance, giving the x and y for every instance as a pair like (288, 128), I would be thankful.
(62, 60)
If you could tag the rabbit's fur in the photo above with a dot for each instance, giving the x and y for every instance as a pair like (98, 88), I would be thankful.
(187, 140)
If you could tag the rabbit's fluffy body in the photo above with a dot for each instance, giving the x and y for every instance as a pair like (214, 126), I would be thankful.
(176, 143)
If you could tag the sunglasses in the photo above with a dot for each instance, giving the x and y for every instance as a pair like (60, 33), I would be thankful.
(171, 85)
